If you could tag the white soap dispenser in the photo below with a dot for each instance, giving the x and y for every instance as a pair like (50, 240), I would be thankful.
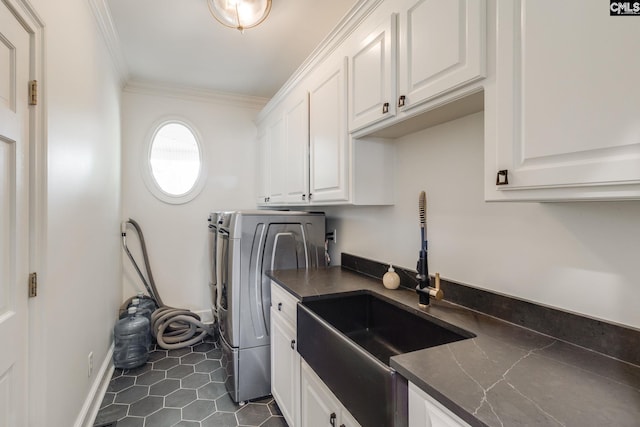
(391, 280)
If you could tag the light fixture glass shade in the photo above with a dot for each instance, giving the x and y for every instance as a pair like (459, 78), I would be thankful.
(240, 14)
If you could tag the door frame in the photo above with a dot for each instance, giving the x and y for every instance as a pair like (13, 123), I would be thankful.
(36, 363)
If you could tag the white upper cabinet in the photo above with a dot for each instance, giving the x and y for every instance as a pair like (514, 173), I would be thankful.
(277, 157)
(442, 47)
(372, 74)
(328, 138)
(296, 167)
(283, 153)
(562, 115)
(409, 57)
(307, 156)
(262, 169)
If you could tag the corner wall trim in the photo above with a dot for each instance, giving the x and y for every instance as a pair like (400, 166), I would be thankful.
(102, 13)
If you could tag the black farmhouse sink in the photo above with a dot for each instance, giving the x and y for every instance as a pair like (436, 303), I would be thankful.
(348, 340)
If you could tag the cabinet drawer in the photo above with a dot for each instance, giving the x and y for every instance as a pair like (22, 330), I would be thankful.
(283, 302)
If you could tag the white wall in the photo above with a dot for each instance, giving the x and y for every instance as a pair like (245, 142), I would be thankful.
(581, 257)
(79, 289)
(176, 235)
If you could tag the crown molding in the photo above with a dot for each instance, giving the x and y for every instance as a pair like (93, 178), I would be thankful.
(102, 14)
(195, 94)
(330, 43)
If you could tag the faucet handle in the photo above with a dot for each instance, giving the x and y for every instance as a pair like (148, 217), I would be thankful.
(435, 292)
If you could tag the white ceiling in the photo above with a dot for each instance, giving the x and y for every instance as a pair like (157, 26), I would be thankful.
(179, 43)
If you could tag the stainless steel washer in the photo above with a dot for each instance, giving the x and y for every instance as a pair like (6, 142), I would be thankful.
(250, 243)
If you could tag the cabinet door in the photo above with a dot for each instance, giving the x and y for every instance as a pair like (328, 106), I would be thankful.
(296, 118)
(318, 408)
(263, 172)
(424, 411)
(372, 75)
(277, 160)
(347, 420)
(563, 119)
(328, 143)
(442, 47)
(285, 367)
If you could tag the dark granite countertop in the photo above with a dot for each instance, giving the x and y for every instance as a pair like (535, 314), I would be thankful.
(505, 376)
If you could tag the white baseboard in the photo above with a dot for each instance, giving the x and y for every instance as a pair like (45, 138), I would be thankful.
(92, 403)
(96, 393)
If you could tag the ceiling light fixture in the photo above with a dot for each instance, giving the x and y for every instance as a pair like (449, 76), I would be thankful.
(240, 14)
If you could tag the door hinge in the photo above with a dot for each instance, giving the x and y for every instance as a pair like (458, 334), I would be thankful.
(33, 285)
(33, 92)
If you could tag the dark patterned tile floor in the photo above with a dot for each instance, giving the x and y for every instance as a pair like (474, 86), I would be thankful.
(181, 388)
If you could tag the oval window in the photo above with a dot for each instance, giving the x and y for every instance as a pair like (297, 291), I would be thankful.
(175, 163)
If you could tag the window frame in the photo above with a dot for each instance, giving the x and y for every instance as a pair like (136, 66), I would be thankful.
(147, 171)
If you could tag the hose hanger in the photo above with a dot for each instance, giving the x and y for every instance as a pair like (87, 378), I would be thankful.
(172, 327)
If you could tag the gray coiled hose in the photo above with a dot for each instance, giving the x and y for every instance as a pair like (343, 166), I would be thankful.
(171, 327)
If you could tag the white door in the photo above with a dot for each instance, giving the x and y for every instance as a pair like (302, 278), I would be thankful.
(14, 217)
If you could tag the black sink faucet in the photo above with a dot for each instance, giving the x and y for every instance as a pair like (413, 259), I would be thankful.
(424, 280)
(424, 289)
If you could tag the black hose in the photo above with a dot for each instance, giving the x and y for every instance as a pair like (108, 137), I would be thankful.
(172, 327)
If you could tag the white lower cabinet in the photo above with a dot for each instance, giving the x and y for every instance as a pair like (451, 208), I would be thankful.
(303, 398)
(425, 411)
(285, 360)
(318, 406)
